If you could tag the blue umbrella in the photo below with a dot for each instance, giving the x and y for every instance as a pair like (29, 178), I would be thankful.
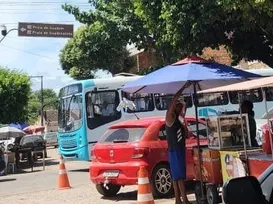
(201, 73)
(204, 74)
(19, 126)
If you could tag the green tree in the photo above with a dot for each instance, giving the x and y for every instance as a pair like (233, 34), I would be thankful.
(181, 27)
(49, 95)
(34, 105)
(94, 47)
(34, 108)
(14, 95)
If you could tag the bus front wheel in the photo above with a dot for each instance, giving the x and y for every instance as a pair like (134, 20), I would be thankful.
(109, 190)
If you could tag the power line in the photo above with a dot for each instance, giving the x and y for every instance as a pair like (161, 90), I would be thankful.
(16, 7)
(7, 23)
(38, 39)
(42, 13)
(38, 9)
(27, 52)
(16, 23)
(10, 6)
(45, 2)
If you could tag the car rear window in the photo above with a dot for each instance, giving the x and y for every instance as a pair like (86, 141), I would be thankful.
(50, 135)
(33, 138)
(122, 135)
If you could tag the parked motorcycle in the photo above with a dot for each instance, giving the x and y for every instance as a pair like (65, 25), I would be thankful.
(2, 159)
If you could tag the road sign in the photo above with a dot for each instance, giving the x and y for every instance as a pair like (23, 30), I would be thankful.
(45, 30)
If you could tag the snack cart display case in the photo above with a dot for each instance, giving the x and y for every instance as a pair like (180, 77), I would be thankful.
(228, 132)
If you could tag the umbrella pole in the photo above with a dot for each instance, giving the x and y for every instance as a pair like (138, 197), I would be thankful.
(243, 134)
(198, 142)
(268, 121)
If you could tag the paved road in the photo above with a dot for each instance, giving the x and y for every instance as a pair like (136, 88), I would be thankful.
(41, 186)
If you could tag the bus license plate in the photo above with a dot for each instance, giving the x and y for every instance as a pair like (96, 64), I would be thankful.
(111, 174)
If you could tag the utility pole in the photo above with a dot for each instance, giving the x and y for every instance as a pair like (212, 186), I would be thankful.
(42, 100)
(42, 97)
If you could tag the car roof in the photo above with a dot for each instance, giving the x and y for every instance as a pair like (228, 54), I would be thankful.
(142, 122)
(33, 135)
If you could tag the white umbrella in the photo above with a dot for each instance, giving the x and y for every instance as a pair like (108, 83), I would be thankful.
(7, 132)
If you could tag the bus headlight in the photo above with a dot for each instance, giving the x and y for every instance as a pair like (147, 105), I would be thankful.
(80, 140)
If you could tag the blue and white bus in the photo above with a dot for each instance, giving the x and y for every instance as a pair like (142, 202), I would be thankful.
(87, 108)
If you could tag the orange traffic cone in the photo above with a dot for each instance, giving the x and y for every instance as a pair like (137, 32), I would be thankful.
(144, 193)
(63, 182)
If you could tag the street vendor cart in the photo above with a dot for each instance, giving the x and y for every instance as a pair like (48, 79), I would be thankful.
(225, 156)
(238, 160)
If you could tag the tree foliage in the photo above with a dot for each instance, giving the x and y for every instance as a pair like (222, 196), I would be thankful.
(94, 48)
(177, 28)
(14, 95)
(34, 105)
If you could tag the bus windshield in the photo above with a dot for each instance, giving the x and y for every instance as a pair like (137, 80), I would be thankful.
(70, 113)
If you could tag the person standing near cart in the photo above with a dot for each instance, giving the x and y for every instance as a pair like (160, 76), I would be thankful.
(247, 107)
(176, 135)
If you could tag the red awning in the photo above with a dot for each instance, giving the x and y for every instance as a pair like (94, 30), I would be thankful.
(33, 129)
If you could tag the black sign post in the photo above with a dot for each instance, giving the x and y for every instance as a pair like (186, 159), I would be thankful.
(45, 30)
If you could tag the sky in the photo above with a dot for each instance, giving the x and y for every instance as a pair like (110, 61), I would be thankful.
(36, 55)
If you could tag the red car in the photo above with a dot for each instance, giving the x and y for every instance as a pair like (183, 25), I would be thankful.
(126, 146)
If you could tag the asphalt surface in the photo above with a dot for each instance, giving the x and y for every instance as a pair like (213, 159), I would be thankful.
(42, 186)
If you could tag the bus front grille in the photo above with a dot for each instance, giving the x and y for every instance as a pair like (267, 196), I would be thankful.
(67, 144)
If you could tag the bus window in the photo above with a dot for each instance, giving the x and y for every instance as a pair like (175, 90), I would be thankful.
(162, 101)
(101, 108)
(212, 99)
(254, 95)
(143, 102)
(269, 93)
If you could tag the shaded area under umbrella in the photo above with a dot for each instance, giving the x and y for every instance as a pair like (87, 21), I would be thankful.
(201, 73)
(8, 132)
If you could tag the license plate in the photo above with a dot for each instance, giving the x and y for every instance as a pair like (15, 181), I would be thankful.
(111, 174)
(69, 159)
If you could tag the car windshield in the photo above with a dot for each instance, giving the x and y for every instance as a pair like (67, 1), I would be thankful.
(122, 135)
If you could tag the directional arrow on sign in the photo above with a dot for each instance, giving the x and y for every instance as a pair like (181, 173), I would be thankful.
(23, 29)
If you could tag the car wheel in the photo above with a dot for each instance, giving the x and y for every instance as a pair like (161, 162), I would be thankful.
(198, 193)
(109, 190)
(162, 185)
(212, 194)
